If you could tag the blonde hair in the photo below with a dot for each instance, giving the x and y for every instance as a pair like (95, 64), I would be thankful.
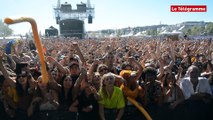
(104, 77)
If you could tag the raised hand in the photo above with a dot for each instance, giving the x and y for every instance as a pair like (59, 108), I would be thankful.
(75, 45)
(50, 59)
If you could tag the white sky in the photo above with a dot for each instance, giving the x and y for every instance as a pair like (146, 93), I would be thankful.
(112, 14)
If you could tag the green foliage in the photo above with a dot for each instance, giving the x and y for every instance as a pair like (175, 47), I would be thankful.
(187, 31)
(209, 29)
(5, 30)
(118, 33)
(153, 32)
(198, 30)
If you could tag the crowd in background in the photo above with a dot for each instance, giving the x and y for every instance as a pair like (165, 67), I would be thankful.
(93, 79)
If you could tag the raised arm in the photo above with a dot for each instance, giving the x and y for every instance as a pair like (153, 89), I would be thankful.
(92, 67)
(172, 53)
(77, 84)
(13, 63)
(137, 65)
(52, 82)
(79, 53)
(161, 69)
(57, 64)
(4, 71)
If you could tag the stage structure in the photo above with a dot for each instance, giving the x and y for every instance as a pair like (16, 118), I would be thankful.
(71, 21)
(51, 31)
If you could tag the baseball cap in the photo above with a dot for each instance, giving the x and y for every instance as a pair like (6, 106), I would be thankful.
(73, 63)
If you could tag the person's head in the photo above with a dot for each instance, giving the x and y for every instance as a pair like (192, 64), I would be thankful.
(22, 83)
(22, 78)
(74, 68)
(169, 79)
(102, 69)
(150, 74)
(55, 74)
(67, 82)
(74, 64)
(107, 80)
(193, 72)
(126, 66)
(202, 58)
(87, 89)
(96, 80)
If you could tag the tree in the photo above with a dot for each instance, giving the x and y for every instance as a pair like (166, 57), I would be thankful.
(209, 29)
(187, 31)
(152, 32)
(5, 30)
(118, 33)
(196, 30)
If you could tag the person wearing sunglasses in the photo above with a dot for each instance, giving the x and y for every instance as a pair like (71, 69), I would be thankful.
(23, 85)
(102, 69)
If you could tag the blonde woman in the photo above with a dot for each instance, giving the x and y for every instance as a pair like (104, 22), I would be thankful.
(112, 103)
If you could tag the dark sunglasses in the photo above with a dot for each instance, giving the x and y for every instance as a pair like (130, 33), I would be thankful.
(22, 75)
(103, 69)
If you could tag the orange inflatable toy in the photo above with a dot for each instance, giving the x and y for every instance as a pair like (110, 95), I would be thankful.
(36, 40)
(131, 95)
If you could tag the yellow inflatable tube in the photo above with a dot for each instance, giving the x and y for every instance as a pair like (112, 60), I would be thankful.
(140, 108)
(36, 40)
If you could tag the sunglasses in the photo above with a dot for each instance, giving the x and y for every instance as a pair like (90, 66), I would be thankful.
(104, 69)
(22, 75)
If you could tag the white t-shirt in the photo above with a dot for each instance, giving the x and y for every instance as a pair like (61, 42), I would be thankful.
(186, 86)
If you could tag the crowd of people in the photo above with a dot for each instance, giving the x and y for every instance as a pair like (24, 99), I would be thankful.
(93, 79)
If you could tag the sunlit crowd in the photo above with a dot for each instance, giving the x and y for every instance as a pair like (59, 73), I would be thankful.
(96, 79)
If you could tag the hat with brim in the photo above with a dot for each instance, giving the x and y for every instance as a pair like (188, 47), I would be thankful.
(73, 63)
